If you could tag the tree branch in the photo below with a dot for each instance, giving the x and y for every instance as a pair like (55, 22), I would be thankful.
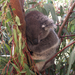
(66, 19)
(67, 36)
(17, 4)
(58, 53)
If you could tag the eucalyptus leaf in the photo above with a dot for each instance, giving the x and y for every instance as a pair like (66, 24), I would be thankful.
(15, 40)
(0, 13)
(10, 40)
(8, 28)
(8, 0)
(32, 2)
(20, 38)
(16, 67)
(61, 11)
(71, 60)
(67, 49)
(49, 8)
(36, 61)
(41, 9)
(8, 15)
(32, 72)
(2, 1)
(73, 21)
(8, 47)
(17, 21)
(13, 9)
(27, 69)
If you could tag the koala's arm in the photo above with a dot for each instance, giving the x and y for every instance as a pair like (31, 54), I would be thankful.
(51, 41)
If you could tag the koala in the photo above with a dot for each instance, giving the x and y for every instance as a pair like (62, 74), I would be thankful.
(38, 26)
(41, 38)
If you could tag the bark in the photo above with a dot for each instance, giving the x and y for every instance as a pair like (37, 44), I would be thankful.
(18, 5)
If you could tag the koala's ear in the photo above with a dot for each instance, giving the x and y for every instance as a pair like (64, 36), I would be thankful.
(43, 26)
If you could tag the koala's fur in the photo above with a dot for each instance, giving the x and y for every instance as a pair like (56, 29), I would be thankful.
(38, 26)
(41, 37)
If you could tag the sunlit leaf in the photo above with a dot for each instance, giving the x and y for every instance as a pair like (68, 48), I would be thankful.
(2, 1)
(8, 0)
(10, 40)
(15, 36)
(7, 20)
(17, 20)
(71, 60)
(20, 38)
(23, 45)
(13, 9)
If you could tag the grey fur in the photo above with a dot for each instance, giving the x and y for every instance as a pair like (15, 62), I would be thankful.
(40, 27)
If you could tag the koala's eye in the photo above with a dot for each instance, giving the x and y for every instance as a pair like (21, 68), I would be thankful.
(35, 41)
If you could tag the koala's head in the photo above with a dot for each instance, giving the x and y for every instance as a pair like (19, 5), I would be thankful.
(38, 26)
(46, 25)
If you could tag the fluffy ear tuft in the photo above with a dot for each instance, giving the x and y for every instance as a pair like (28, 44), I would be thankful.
(43, 26)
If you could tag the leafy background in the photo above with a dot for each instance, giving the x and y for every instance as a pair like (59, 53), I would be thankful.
(55, 9)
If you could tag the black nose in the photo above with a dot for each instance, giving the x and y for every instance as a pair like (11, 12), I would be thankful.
(35, 41)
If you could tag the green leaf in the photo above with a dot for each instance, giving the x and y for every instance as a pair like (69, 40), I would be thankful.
(15, 36)
(10, 39)
(73, 21)
(7, 20)
(20, 38)
(8, 47)
(3, 59)
(0, 13)
(8, 0)
(61, 11)
(17, 20)
(23, 72)
(13, 9)
(32, 2)
(36, 61)
(15, 40)
(16, 67)
(49, 8)
(8, 28)
(27, 69)
(2, 1)
(23, 45)
(42, 10)
(71, 60)
(8, 15)
(32, 72)
(68, 48)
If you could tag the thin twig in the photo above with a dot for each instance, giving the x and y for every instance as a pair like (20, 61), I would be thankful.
(67, 36)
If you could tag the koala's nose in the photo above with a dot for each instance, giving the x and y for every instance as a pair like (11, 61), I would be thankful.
(35, 41)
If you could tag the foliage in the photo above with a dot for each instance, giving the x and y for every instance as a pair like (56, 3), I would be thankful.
(10, 34)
